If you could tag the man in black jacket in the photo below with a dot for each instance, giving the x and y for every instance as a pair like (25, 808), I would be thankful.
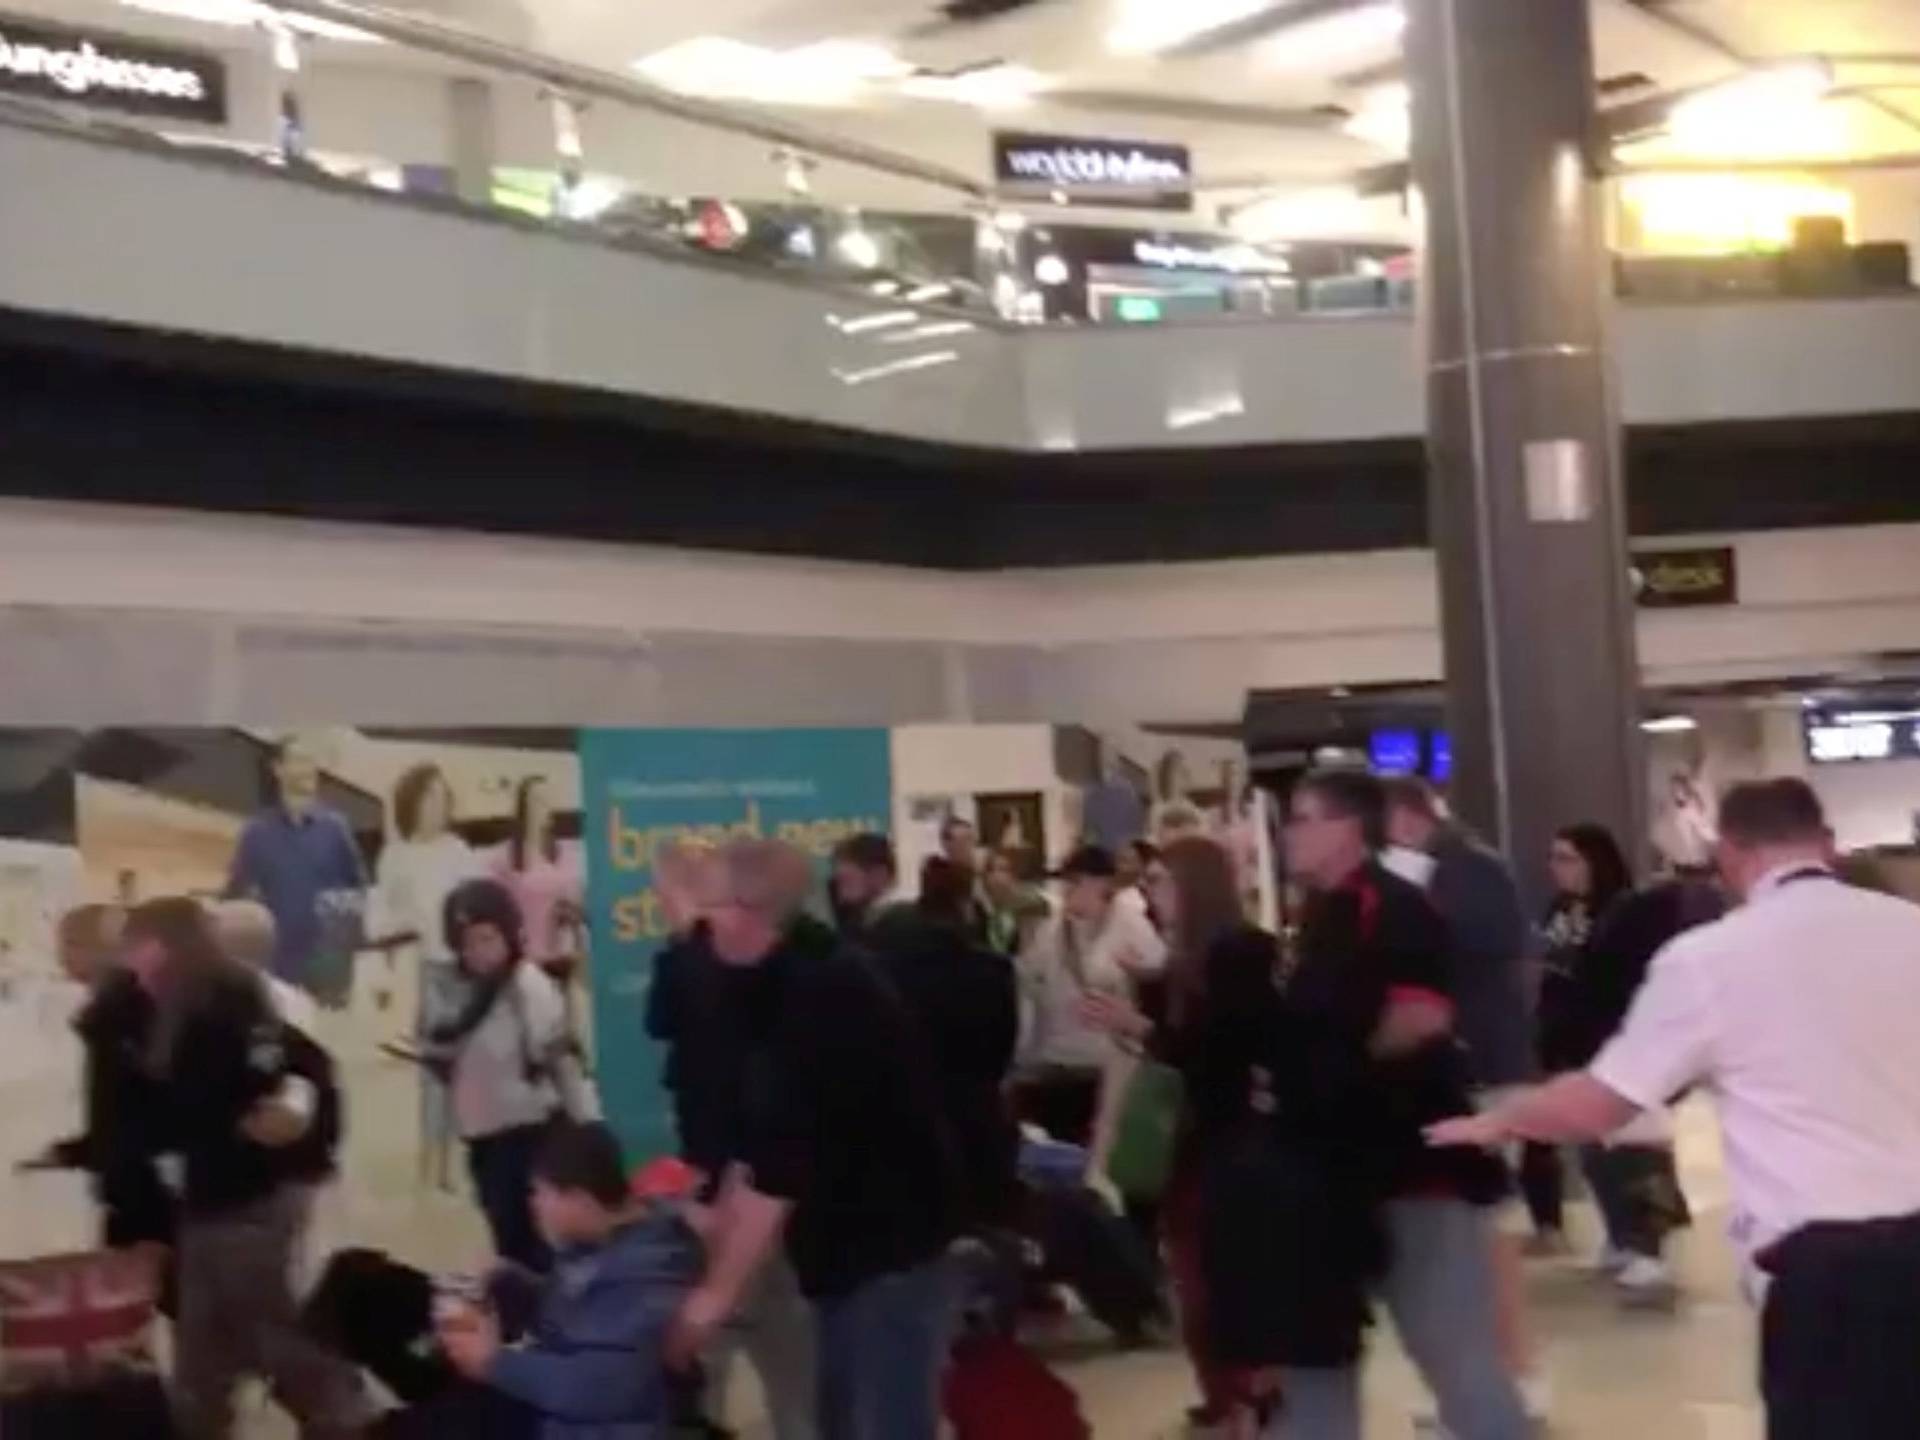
(967, 1004)
(1372, 972)
(219, 1051)
(840, 1144)
(121, 1101)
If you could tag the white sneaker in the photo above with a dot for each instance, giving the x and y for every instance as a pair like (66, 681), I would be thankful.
(1536, 1394)
(1646, 1283)
(1611, 1260)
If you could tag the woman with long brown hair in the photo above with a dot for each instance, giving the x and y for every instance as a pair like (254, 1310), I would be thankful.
(1213, 1019)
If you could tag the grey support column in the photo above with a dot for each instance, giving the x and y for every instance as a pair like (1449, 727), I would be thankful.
(1524, 454)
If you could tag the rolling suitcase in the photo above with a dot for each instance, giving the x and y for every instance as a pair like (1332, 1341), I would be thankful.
(996, 1389)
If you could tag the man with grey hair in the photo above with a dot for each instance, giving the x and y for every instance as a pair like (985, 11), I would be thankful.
(835, 1140)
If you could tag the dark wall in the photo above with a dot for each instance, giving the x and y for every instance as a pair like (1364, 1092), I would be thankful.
(97, 413)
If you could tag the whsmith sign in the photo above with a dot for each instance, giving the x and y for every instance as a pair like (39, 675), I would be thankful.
(110, 71)
(1133, 174)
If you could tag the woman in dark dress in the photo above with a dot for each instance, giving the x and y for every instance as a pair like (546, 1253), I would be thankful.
(1589, 873)
(1213, 1017)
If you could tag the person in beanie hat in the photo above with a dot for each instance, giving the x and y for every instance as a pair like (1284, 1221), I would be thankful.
(510, 1062)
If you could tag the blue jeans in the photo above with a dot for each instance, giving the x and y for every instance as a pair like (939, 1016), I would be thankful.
(502, 1168)
(883, 1349)
(1439, 1290)
(1317, 1405)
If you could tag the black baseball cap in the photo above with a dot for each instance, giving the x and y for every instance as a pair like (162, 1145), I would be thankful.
(1088, 862)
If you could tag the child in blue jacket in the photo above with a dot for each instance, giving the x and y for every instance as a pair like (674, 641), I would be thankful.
(591, 1366)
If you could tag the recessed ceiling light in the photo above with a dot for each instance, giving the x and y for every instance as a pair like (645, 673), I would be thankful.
(859, 249)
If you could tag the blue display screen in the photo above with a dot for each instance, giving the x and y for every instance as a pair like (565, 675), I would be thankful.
(1440, 763)
(1394, 752)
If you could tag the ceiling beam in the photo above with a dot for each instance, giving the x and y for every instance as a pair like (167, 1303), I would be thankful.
(1183, 107)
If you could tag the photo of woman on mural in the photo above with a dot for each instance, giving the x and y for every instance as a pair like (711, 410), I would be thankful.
(546, 876)
(424, 860)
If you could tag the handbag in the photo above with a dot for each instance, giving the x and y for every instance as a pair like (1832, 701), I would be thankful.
(1146, 1131)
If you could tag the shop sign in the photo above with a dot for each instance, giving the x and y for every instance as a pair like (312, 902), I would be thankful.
(1668, 579)
(1840, 739)
(1130, 174)
(110, 71)
(644, 789)
(1237, 259)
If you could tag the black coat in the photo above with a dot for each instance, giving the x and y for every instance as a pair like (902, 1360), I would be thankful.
(966, 1002)
(1219, 1038)
(125, 1115)
(1612, 966)
(232, 1051)
(1292, 1241)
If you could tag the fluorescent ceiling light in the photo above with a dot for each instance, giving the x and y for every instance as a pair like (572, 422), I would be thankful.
(991, 87)
(828, 72)
(1146, 27)
(1670, 725)
(251, 12)
(860, 250)
(896, 367)
(936, 330)
(883, 320)
(1340, 38)
(1385, 118)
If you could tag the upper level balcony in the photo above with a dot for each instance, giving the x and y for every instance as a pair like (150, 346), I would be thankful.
(386, 202)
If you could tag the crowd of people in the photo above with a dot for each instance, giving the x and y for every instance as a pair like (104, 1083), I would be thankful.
(1301, 1132)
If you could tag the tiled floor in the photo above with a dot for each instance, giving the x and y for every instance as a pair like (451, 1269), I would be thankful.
(1615, 1376)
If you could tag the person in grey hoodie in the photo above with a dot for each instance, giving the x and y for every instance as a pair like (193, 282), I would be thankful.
(591, 1367)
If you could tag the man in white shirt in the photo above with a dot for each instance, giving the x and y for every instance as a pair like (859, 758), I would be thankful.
(1095, 946)
(1797, 1013)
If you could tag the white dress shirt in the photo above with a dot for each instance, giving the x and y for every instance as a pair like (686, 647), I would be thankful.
(1801, 1013)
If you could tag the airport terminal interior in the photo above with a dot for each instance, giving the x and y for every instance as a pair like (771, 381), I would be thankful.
(547, 440)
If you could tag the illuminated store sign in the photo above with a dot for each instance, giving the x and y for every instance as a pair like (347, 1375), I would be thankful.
(109, 71)
(1863, 735)
(1173, 255)
(1667, 579)
(1133, 174)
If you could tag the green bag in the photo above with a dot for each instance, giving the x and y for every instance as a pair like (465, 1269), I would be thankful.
(1146, 1130)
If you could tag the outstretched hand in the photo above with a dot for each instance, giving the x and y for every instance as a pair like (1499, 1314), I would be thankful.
(1469, 1131)
(1481, 1132)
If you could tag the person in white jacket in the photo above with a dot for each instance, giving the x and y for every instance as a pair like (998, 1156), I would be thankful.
(1094, 946)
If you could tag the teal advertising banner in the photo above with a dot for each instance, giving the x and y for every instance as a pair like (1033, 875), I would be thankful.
(642, 789)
